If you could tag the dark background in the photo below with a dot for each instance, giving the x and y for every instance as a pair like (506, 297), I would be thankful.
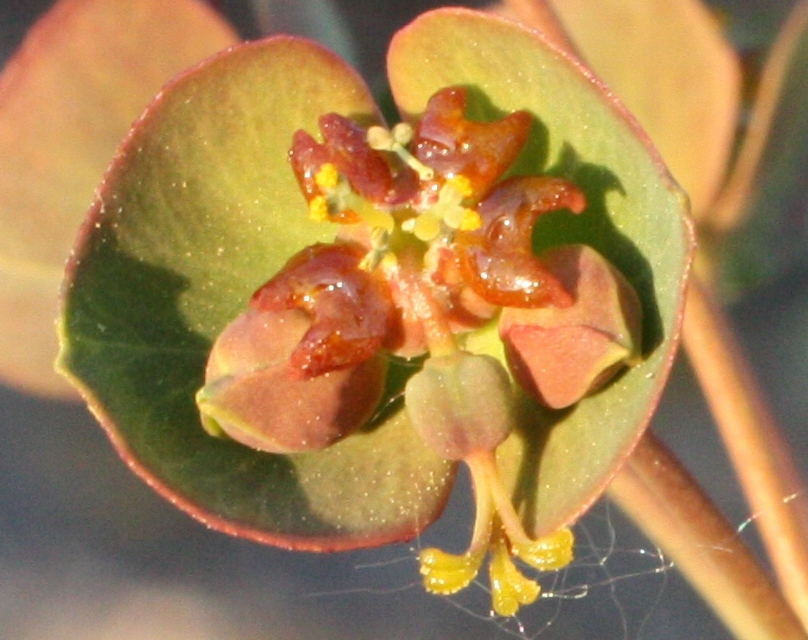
(87, 551)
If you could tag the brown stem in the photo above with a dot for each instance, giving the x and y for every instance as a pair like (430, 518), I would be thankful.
(756, 447)
(665, 501)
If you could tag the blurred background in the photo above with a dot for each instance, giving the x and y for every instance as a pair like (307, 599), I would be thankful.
(88, 552)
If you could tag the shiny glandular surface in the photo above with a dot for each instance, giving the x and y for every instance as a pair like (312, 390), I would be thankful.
(351, 308)
(497, 260)
(435, 239)
(299, 370)
(449, 143)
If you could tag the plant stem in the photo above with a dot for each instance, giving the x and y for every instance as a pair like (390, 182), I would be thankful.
(757, 449)
(655, 490)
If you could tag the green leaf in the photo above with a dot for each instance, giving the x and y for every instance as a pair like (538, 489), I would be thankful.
(200, 208)
(67, 97)
(559, 463)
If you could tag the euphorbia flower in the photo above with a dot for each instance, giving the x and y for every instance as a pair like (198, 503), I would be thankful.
(432, 242)
(402, 244)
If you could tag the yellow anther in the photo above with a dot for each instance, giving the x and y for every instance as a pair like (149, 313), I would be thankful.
(550, 553)
(318, 209)
(327, 177)
(461, 184)
(338, 197)
(509, 588)
(402, 133)
(462, 219)
(471, 221)
(446, 573)
(449, 206)
(380, 138)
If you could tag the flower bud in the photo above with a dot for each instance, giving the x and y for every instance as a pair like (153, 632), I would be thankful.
(560, 355)
(460, 403)
(255, 396)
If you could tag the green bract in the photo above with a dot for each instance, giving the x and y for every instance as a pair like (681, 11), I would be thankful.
(201, 207)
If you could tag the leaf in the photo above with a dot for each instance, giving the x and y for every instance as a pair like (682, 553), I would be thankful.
(200, 208)
(560, 462)
(764, 203)
(670, 64)
(68, 96)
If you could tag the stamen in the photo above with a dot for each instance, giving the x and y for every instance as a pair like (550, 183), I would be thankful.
(426, 227)
(471, 221)
(461, 218)
(402, 133)
(461, 184)
(338, 197)
(336, 194)
(372, 216)
(381, 139)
